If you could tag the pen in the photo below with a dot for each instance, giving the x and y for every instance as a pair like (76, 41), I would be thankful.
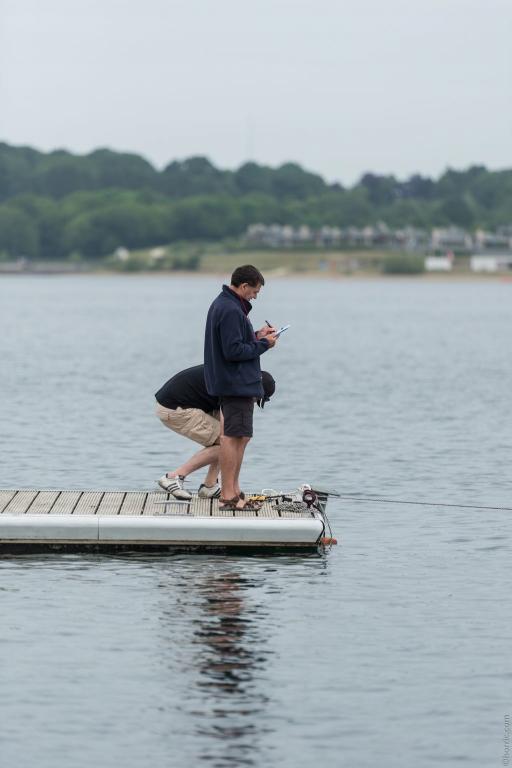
(269, 325)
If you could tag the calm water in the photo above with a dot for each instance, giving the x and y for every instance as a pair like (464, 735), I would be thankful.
(393, 651)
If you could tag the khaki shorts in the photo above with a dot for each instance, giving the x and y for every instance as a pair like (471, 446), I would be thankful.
(201, 427)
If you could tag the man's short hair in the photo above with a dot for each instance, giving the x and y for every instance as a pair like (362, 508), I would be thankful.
(247, 274)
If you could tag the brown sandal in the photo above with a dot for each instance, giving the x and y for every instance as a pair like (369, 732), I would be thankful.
(230, 505)
(252, 505)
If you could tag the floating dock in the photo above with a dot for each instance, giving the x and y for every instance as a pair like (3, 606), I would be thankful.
(113, 521)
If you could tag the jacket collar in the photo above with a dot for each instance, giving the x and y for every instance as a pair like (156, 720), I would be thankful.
(246, 305)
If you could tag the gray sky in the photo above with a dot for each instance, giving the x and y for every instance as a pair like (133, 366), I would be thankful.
(340, 86)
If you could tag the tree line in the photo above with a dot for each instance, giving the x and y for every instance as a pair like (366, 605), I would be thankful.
(56, 204)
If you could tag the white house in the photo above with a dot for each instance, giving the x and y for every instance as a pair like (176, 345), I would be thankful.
(495, 263)
(492, 241)
(122, 253)
(439, 263)
(450, 239)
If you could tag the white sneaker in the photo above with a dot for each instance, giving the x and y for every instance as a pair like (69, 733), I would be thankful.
(174, 486)
(209, 491)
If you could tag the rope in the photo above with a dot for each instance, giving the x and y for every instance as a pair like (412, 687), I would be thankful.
(422, 503)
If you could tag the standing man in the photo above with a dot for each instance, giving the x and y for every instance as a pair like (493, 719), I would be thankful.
(232, 373)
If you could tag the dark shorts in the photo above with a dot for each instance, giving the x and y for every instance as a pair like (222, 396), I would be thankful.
(237, 412)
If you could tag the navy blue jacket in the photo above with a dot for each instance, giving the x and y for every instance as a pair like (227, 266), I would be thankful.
(231, 350)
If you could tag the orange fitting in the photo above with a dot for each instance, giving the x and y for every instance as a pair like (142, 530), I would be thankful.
(328, 541)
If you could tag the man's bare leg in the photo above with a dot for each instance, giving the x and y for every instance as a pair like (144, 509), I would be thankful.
(229, 463)
(232, 451)
(231, 456)
(241, 451)
(200, 459)
(213, 473)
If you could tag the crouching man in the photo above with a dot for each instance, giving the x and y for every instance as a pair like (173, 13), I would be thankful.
(184, 405)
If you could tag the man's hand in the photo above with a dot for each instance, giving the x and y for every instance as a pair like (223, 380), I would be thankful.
(271, 339)
(267, 330)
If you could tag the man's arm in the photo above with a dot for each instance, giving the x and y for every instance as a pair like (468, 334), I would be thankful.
(234, 348)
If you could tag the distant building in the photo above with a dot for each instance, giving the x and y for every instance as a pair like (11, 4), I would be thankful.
(304, 234)
(439, 263)
(122, 254)
(451, 239)
(412, 239)
(328, 236)
(441, 241)
(353, 236)
(484, 262)
(492, 241)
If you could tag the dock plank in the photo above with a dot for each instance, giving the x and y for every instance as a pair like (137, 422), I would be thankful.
(43, 502)
(200, 507)
(127, 503)
(66, 502)
(20, 503)
(223, 513)
(88, 503)
(133, 503)
(5, 497)
(111, 503)
(268, 510)
(240, 513)
(154, 506)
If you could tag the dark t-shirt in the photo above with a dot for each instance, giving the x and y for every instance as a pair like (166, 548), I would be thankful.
(187, 389)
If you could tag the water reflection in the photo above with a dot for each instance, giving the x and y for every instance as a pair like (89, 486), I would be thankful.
(233, 651)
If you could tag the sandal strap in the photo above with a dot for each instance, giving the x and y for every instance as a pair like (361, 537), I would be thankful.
(229, 501)
(231, 504)
(252, 505)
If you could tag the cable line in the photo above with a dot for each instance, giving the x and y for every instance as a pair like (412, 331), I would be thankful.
(421, 503)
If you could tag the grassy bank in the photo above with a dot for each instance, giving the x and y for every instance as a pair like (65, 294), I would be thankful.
(222, 258)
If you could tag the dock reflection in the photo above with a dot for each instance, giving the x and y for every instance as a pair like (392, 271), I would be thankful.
(231, 659)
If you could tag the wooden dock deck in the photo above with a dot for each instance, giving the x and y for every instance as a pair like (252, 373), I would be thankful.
(36, 502)
(40, 520)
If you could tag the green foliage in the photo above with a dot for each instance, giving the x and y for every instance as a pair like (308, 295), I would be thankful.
(456, 210)
(258, 207)
(47, 219)
(17, 166)
(18, 234)
(253, 178)
(195, 176)
(290, 181)
(56, 204)
(381, 190)
(413, 212)
(121, 170)
(189, 263)
(99, 232)
(403, 264)
(209, 218)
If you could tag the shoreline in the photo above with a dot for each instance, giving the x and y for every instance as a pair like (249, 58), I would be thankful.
(279, 274)
(192, 261)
